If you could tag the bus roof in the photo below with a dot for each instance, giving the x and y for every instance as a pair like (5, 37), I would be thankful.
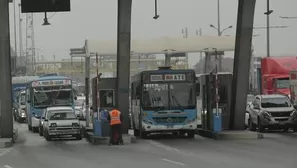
(219, 73)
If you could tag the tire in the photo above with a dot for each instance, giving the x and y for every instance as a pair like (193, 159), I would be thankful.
(40, 131)
(78, 137)
(143, 135)
(47, 136)
(35, 129)
(29, 128)
(251, 125)
(191, 134)
(260, 127)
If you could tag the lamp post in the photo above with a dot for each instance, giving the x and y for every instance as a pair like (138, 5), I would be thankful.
(267, 13)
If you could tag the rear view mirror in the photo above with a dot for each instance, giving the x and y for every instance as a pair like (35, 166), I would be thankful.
(197, 89)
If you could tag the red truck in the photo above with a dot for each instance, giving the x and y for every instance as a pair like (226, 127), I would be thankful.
(275, 74)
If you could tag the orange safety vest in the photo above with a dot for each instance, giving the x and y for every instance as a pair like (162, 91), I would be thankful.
(115, 117)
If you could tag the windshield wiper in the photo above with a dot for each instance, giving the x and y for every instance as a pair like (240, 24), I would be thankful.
(176, 101)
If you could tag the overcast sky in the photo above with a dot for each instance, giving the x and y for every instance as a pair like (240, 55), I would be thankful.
(96, 19)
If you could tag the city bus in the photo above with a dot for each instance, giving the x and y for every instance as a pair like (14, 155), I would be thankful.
(47, 91)
(164, 101)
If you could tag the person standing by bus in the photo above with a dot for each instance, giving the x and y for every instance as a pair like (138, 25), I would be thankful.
(115, 120)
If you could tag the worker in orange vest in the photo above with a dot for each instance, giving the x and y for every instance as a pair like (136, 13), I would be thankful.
(115, 120)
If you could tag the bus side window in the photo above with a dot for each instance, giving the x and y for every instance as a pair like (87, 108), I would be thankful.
(197, 89)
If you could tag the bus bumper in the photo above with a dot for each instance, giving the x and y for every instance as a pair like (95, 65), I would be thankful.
(35, 122)
(168, 128)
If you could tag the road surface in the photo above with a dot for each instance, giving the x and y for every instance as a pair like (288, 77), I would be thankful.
(278, 150)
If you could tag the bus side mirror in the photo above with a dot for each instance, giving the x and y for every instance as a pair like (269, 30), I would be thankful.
(75, 98)
(197, 89)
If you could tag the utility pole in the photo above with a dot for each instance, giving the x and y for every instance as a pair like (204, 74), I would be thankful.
(15, 32)
(6, 123)
(20, 31)
(267, 13)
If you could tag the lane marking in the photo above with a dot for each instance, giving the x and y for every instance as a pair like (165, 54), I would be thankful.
(5, 152)
(174, 162)
(7, 166)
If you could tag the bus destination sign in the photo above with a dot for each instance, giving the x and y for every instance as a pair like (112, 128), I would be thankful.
(168, 77)
(51, 83)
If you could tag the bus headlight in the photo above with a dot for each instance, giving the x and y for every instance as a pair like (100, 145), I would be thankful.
(190, 120)
(148, 122)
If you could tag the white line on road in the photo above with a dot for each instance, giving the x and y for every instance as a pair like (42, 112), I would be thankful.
(2, 153)
(7, 166)
(174, 162)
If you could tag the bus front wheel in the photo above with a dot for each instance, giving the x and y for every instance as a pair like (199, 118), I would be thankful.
(191, 134)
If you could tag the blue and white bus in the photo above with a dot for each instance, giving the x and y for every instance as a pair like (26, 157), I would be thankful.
(164, 100)
(47, 91)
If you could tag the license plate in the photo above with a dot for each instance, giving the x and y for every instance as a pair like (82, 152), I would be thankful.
(169, 126)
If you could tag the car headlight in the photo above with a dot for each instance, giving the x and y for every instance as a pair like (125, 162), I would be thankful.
(190, 120)
(293, 113)
(42, 122)
(266, 115)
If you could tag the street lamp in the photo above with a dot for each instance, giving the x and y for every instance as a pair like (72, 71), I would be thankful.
(220, 32)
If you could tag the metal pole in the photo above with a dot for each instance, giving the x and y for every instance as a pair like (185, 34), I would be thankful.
(15, 27)
(20, 31)
(87, 88)
(219, 19)
(219, 34)
(268, 28)
(216, 83)
(97, 84)
(6, 123)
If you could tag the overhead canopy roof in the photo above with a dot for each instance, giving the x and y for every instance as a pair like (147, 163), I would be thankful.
(163, 44)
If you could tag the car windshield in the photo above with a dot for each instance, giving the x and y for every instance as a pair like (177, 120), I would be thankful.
(275, 102)
(52, 95)
(168, 96)
(61, 115)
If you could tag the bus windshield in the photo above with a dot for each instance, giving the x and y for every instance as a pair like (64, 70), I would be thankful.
(46, 96)
(168, 96)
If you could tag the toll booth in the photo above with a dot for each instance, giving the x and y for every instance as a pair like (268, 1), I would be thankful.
(208, 98)
(103, 103)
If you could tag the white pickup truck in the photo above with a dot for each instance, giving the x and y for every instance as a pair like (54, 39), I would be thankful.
(60, 122)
